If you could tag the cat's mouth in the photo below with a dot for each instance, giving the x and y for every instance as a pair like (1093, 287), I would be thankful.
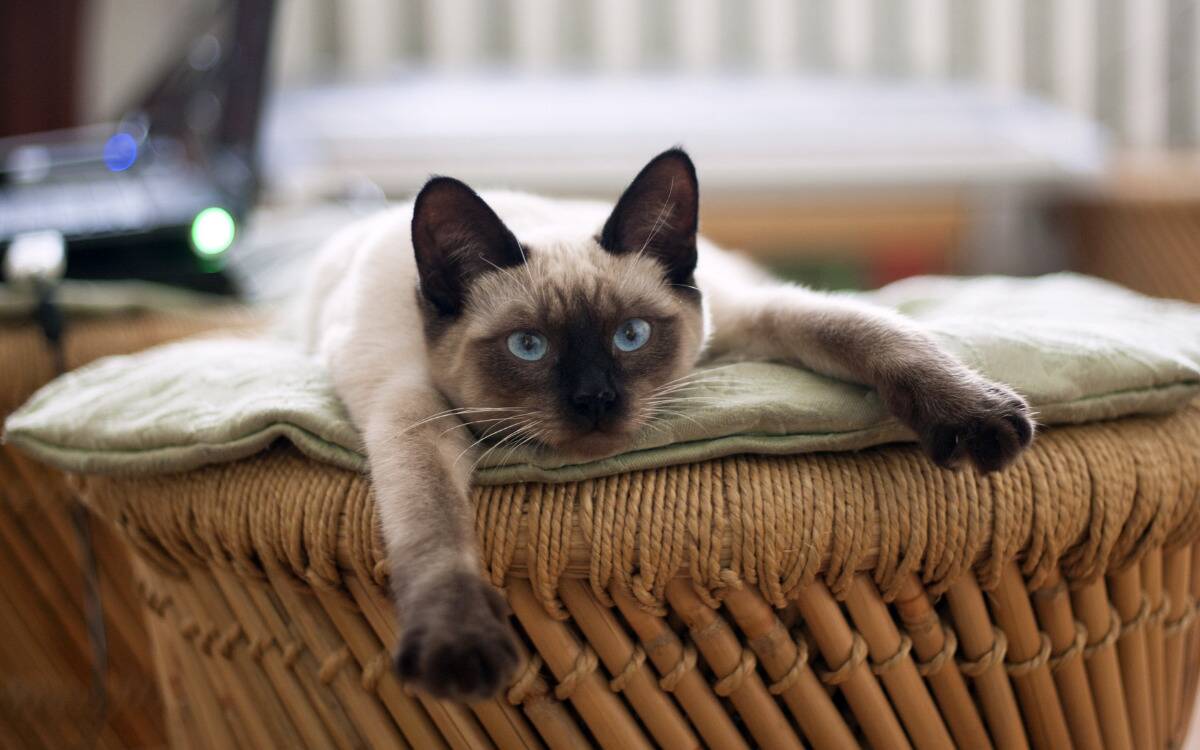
(592, 444)
(563, 437)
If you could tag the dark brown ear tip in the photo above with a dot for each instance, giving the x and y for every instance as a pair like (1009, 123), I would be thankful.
(442, 198)
(440, 184)
(678, 155)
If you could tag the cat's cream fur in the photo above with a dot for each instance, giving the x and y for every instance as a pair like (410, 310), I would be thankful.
(398, 357)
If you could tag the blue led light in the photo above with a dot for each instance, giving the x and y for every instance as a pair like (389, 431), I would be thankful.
(120, 152)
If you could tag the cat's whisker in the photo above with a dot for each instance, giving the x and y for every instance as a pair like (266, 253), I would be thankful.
(531, 435)
(534, 424)
(683, 398)
(534, 289)
(526, 413)
(648, 418)
(681, 415)
(452, 413)
(704, 377)
(712, 385)
(694, 390)
(699, 401)
(511, 272)
(510, 436)
(706, 384)
(659, 220)
(511, 430)
(702, 371)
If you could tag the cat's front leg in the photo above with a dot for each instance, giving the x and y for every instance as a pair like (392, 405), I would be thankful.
(957, 414)
(455, 639)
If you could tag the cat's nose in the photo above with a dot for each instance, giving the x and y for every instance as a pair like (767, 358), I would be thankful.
(594, 403)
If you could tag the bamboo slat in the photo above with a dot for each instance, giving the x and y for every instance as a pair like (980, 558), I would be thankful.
(1176, 584)
(787, 663)
(1133, 607)
(1103, 626)
(1068, 638)
(936, 645)
(982, 649)
(41, 703)
(895, 668)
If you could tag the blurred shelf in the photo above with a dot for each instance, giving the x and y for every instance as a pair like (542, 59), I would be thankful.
(588, 135)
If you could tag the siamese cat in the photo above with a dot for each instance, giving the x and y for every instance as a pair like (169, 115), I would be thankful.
(463, 319)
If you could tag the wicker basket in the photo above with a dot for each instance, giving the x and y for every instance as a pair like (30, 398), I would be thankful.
(47, 697)
(822, 600)
(1151, 245)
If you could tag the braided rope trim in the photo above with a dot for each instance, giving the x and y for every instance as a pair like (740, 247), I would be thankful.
(1183, 622)
(1164, 609)
(291, 652)
(881, 668)
(1141, 618)
(585, 664)
(732, 682)
(1037, 661)
(259, 647)
(1070, 652)
(858, 655)
(785, 683)
(374, 670)
(989, 659)
(1109, 638)
(524, 687)
(636, 660)
(333, 664)
(686, 663)
(938, 661)
(1050, 592)
(224, 644)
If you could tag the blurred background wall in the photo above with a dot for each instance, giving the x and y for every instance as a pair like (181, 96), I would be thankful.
(846, 142)
(1132, 64)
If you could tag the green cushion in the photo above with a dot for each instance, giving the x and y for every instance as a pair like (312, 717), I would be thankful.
(1079, 349)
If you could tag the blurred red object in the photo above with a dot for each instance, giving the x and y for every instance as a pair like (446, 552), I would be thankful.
(39, 65)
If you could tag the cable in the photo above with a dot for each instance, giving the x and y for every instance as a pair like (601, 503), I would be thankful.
(37, 261)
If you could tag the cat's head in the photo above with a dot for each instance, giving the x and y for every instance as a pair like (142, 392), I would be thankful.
(572, 339)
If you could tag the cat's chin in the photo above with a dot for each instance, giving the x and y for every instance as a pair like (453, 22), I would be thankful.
(593, 445)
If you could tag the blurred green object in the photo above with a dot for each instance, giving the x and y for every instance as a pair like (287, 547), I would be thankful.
(822, 273)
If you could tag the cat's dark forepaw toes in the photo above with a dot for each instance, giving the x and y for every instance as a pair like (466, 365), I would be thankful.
(990, 433)
(465, 652)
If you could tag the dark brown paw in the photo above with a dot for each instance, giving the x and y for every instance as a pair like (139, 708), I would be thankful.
(989, 426)
(457, 643)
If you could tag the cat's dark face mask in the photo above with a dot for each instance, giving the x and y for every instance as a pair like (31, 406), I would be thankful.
(576, 346)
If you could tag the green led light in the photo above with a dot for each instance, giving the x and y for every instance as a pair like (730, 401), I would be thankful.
(213, 230)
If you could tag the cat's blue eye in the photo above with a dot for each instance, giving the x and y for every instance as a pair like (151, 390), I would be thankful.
(632, 335)
(528, 345)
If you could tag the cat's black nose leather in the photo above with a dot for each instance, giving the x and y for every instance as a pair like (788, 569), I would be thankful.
(594, 403)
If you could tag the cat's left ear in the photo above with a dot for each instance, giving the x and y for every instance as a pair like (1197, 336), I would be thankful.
(658, 215)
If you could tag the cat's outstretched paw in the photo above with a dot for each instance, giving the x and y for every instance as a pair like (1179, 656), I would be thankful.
(962, 417)
(457, 643)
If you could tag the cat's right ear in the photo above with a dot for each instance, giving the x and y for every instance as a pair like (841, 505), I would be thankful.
(457, 236)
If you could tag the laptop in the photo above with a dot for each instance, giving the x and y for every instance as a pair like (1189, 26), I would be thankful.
(160, 194)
